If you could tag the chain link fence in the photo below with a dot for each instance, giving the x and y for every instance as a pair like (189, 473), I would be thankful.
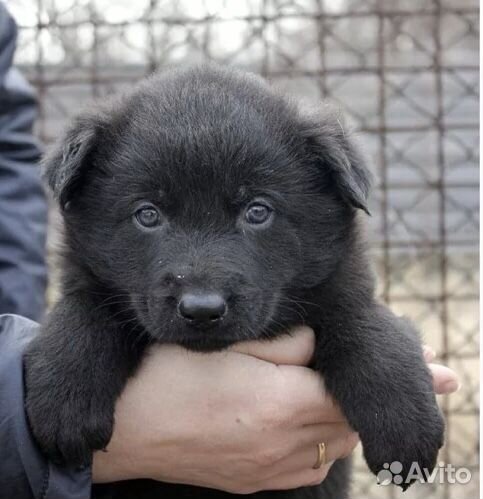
(405, 72)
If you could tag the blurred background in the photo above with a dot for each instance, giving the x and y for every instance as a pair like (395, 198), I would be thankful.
(404, 72)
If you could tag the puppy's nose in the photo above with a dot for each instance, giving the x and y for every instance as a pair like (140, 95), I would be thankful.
(202, 307)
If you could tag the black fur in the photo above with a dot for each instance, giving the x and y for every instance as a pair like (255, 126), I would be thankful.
(200, 144)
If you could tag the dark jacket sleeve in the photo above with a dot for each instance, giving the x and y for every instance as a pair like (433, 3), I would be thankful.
(24, 471)
(22, 202)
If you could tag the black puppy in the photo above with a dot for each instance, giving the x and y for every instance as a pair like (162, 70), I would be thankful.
(205, 209)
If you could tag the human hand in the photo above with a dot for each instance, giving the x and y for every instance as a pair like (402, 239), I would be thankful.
(233, 420)
(243, 420)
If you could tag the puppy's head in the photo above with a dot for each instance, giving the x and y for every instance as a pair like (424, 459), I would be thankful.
(207, 200)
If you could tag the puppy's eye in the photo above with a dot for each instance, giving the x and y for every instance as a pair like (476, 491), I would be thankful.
(258, 213)
(148, 216)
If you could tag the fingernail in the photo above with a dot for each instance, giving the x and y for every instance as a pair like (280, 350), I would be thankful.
(451, 386)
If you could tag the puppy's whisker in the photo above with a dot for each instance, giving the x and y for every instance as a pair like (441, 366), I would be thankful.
(113, 304)
(299, 311)
(120, 312)
(302, 302)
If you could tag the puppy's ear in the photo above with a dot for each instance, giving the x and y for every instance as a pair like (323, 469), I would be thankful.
(65, 165)
(338, 156)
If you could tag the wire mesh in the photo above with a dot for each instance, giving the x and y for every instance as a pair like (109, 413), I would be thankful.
(406, 74)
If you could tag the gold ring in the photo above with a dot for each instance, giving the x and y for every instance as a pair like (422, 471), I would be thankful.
(321, 456)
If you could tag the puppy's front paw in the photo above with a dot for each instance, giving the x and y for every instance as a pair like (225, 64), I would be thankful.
(66, 432)
(68, 420)
(411, 438)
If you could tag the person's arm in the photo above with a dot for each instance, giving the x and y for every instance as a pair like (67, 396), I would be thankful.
(23, 209)
(24, 471)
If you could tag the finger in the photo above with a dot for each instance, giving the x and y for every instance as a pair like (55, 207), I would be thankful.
(445, 380)
(326, 432)
(429, 353)
(307, 397)
(295, 348)
(336, 447)
(298, 469)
